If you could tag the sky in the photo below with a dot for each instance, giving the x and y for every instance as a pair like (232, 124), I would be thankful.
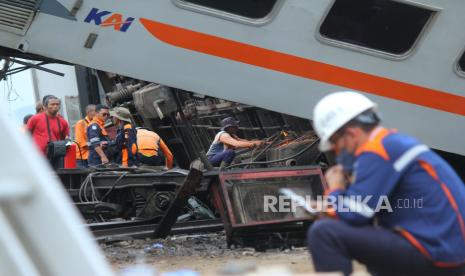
(17, 95)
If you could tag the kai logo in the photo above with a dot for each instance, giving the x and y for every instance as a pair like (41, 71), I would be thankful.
(107, 19)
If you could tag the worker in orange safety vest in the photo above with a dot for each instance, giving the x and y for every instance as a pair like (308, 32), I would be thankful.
(80, 133)
(152, 149)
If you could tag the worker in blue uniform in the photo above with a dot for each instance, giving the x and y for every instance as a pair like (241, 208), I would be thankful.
(97, 137)
(397, 207)
(126, 137)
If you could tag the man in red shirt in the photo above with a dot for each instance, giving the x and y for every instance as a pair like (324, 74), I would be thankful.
(49, 126)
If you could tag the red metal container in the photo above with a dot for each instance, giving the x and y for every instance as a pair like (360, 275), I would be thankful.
(70, 157)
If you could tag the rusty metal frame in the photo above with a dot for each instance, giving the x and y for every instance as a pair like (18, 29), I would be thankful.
(222, 191)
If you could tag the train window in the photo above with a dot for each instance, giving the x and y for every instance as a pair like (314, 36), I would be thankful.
(383, 25)
(254, 9)
(462, 62)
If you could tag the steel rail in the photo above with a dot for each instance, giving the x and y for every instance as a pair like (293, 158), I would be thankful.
(145, 229)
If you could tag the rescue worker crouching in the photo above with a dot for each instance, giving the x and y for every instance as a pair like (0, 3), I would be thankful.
(152, 149)
(385, 165)
(97, 137)
(126, 137)
(221, 152)
(80, 133)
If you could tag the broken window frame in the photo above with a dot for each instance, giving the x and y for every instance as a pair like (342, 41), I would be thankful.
(376, 52)
(184, 4)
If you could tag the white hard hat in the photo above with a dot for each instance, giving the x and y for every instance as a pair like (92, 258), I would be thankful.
(334, 111)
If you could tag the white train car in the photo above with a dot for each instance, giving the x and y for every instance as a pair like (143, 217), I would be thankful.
(282, 55)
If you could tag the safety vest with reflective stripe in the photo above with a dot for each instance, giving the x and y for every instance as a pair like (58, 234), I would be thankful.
(425, 197)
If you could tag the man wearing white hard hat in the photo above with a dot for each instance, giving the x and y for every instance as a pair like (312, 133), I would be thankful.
(397, 207)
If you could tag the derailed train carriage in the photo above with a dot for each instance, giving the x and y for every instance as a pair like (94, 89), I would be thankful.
(188, 123)
(278, 55)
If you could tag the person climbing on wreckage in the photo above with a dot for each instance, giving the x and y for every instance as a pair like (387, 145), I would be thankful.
(222, 149)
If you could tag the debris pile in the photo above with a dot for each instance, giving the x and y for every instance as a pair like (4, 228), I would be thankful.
(202, 245)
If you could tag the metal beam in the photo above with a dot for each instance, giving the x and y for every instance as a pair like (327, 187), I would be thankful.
(35, 66)
(192, 182)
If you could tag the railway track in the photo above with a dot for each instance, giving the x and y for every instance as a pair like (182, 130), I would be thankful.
(145, 229)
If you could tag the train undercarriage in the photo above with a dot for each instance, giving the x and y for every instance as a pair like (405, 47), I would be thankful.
(188, 123)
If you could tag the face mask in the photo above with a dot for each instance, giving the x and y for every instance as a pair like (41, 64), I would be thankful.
(347, 160)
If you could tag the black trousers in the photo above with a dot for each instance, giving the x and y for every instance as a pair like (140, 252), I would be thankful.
(82, 163)
(334, 244)
(152, 160)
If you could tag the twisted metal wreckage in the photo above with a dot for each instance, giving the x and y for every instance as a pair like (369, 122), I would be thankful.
(151, 201)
